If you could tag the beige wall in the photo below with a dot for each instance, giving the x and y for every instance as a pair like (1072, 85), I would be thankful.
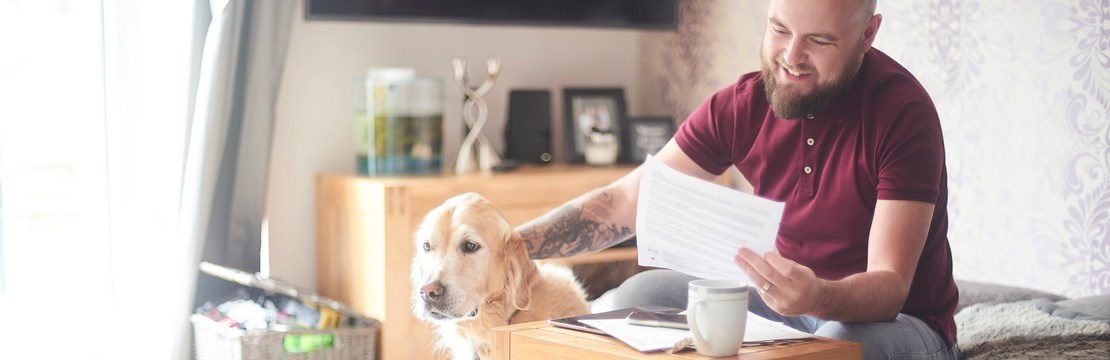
(716, 41)
(314, 126)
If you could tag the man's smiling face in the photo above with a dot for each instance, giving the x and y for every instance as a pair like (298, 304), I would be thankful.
(811, 51)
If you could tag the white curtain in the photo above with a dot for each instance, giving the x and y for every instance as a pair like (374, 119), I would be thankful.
(224, 182)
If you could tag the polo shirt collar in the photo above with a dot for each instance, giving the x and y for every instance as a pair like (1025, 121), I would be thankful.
(843, 106)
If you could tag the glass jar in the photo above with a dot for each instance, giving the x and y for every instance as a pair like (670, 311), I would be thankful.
(404, 133)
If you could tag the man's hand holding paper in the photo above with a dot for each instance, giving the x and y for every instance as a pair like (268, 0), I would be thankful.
(696, 227)
(794, 285)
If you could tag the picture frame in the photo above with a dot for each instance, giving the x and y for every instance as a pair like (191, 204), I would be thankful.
(646, 135)
(591, 111)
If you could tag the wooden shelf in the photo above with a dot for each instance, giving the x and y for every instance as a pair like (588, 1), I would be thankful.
(604, 256)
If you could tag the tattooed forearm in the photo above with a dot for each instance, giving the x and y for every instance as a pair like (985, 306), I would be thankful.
(579, 227)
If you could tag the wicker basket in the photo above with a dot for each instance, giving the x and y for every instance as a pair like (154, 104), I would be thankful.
(216, 341)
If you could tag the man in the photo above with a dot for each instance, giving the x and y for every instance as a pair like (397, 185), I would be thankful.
(851, 142)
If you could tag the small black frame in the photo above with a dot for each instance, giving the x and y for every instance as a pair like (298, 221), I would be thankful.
(645, 135)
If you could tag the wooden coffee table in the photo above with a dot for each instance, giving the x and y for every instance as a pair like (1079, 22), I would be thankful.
(538, 340)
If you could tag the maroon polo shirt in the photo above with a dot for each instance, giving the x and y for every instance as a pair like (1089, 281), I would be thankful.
(880, 140)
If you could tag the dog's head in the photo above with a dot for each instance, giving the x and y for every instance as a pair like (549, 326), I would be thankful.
(466, 255)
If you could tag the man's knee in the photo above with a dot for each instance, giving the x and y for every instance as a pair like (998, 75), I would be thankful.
(904, 338)
(653, 287)
(857, 332)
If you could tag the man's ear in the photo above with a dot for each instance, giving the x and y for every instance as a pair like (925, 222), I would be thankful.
(522, 273)
(870, 32)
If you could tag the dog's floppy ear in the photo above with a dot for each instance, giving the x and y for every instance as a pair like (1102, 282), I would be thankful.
(521, 272)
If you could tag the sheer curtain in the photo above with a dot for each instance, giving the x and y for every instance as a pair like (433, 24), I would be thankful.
(131, 132)
(224, 188)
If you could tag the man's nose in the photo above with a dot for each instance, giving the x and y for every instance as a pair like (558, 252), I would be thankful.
(794, 53)
(432, 292)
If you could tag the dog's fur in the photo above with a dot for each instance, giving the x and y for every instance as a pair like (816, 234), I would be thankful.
(495, 285)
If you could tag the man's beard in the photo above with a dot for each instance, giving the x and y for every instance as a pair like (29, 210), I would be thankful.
(788, 104)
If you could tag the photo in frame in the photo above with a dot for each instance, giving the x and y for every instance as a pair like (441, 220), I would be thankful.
(592, 123)
(645, 135)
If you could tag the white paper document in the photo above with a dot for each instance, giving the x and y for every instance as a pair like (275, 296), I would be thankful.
(695, 227)
(647, 339)
(641, 338)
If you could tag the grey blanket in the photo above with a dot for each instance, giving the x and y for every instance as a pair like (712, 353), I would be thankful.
(1034, 329)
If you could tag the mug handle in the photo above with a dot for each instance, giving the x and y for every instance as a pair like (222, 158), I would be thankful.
(692, 317)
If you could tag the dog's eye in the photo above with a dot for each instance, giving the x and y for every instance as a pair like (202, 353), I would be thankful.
(470, 246)
(427, 246)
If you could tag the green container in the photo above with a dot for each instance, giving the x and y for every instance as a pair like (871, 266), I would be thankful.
(401, 131)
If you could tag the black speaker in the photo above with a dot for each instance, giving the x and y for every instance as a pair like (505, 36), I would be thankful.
(528, 129)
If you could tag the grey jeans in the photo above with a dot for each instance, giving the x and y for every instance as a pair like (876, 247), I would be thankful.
(906, 337)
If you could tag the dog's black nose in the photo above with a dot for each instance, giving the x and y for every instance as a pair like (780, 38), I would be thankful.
(431, 292)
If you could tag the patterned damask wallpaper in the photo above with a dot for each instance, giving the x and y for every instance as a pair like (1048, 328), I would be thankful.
(1023, 91)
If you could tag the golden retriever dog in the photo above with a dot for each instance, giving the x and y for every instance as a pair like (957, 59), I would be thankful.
(472, 273)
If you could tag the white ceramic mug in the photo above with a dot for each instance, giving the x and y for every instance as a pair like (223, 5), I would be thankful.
(717, 313)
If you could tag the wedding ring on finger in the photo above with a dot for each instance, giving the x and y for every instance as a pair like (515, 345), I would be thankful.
(763, 290)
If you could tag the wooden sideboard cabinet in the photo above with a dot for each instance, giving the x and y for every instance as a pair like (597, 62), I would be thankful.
(364, 229)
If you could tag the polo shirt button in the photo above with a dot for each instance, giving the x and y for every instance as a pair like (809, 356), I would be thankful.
(807, 169)
(809, 141)
(809, 116)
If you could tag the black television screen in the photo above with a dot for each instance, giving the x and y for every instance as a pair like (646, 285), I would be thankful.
(642, 14)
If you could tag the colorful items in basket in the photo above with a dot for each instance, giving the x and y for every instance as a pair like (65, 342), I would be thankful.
(275, 312)
(302, 343)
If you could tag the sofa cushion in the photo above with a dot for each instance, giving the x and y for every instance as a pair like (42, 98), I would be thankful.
(1004, 331)
(1098, 305)
(973, 292)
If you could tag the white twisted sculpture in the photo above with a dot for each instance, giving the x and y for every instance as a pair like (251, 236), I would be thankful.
(487, 156)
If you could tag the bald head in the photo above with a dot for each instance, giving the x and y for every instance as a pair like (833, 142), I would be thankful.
(857, 12)
(864, 13)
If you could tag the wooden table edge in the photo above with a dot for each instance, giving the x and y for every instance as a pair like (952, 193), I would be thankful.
(501, 340)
